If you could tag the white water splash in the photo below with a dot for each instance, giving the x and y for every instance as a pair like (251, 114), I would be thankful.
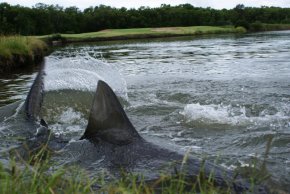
(82, 73)
(71, 116)
(69, 121)
(228, 115)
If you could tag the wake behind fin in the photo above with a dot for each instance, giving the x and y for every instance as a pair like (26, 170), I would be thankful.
(108, 120)
(34, 98)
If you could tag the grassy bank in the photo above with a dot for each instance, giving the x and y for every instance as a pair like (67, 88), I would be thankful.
(139, 33)
(38, 175)
(20, 51)
(258, 26)
(143, 33)
(37, 179)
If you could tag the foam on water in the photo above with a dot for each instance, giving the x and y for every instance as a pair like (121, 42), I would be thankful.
(228, 115)
(82, 73)
(70, 116)
(69, 122)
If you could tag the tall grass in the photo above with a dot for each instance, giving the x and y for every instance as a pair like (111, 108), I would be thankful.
(20, 51)
(38, 175)
(35, 175)
(20, 45)
(38, 179)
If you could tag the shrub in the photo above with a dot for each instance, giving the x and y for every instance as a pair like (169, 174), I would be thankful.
(241, 29)
(242, 23)
(257, 26)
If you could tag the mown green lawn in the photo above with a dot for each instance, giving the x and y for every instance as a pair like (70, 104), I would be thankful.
(146, 32)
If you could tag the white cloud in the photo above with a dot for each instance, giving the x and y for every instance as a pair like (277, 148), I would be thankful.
(154, 3)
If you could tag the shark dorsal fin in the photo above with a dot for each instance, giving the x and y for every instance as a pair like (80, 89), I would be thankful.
(34, 98)
(108, 120)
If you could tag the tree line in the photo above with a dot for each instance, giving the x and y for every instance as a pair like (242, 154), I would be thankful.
(47, 19)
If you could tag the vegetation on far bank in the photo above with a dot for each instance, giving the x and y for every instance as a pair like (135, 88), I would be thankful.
(142, 33)
(109, 23)
(260, 27)
(50, 19)
(18, 51)
(137, 33)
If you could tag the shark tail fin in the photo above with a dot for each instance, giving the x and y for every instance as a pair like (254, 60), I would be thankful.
(108, 120)
(34, 98)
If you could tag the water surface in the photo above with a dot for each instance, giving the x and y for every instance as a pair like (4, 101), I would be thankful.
(223, 97)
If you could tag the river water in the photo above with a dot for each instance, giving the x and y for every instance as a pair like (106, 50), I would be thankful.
(223, 97)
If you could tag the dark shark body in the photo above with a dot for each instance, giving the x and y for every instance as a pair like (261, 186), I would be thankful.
(111, 143)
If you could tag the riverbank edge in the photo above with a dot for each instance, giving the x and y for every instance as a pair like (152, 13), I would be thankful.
(138, 33)
(20, 52)
(36, 53)
(35, 174)
(162, 32)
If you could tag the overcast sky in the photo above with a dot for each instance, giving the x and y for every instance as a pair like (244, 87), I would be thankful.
(218, 4)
